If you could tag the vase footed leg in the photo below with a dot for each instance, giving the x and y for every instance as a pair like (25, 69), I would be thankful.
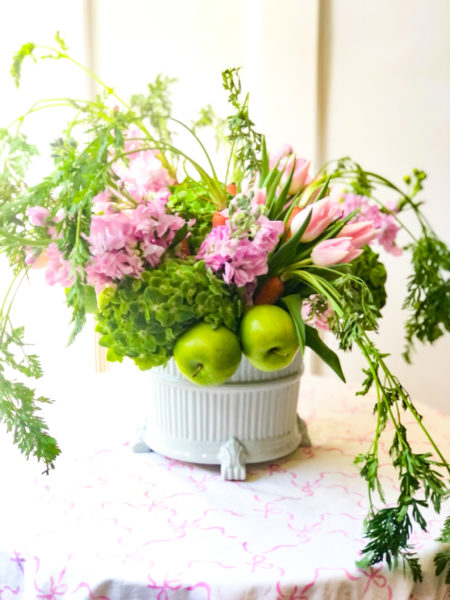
(232, 460)
(303, 429)
(140, 445)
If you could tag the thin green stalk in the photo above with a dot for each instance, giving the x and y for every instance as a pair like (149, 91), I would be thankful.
(88, 71)
(52, 103)
(192, 132)
(227, 172)
(5, 316)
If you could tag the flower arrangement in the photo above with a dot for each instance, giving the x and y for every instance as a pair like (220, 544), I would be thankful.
(170, 256)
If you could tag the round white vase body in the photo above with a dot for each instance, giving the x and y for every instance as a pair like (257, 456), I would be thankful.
(250, 418)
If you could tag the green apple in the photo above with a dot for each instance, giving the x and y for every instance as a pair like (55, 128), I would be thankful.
(207, 356)
(268, 337)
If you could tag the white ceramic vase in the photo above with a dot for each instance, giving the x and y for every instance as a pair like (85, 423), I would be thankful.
(251, 418)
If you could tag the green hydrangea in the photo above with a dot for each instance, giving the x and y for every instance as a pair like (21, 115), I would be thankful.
(143, 318)
(191, 201)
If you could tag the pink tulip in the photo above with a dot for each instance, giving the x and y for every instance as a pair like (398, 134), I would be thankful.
(324, 212)
(300, 175)
(361, 233)
(334, 251)
(285, 159)
(285, 150)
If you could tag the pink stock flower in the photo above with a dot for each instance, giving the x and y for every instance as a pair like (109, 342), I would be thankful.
(324, 212)
(316, 312)
(38, 215)
(334, 251)
(122, 243)
(153, 217)
(58, 268)
(109, 266)
(144, 175)
(248, 262)
(35, 258)
(361, 233)
(133, 142)
(110, 232)
(268, 233)
(241, 260)
(102, 203)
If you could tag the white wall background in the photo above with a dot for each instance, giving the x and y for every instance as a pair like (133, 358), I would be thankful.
(337, 77)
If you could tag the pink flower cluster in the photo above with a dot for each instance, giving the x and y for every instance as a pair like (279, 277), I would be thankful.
(316, 312)
(126, 242)
(58, 269)
(384, 222)
(240, 259)
(143, 173)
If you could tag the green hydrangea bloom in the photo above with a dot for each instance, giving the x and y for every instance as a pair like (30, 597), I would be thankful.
(143, 318)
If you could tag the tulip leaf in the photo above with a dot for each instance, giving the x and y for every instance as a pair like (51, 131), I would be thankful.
(276, 210)
(323, 190)
(314, 342)
(293, 303)
(273, 179)
(286, 252)
(179, 236)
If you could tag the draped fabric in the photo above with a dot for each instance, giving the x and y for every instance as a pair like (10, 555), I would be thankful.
(108, 524)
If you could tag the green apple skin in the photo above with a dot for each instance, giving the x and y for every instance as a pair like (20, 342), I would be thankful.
(207, 356)
(268, 337)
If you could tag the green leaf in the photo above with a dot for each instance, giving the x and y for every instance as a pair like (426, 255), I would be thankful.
(314, 342)
(293, 303)
(277, 207)
(264, 161)
(61, 43)
(286, 251)
(323, 190)
(179, 236)
(19, 57)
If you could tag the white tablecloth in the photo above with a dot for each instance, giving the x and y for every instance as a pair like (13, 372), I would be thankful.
(108, 524)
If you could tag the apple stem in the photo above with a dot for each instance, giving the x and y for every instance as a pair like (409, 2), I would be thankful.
(197, 370)
(278, 353)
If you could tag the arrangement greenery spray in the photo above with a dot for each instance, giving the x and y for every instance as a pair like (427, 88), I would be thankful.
(158, 246)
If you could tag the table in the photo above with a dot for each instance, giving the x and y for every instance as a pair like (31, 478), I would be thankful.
(108, 524)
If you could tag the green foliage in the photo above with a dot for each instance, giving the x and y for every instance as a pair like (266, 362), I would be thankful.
(359, 311)
(389, 530)
(19, 57)
(242, 134)
(421, 477)
(18, 411)
(143, 318)
(442, 559)
(428, 296)
(192, 201)
(209, 119)
(369, 269)
(156, 105)
(61, 43)
(329, 357)
(19, 404)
